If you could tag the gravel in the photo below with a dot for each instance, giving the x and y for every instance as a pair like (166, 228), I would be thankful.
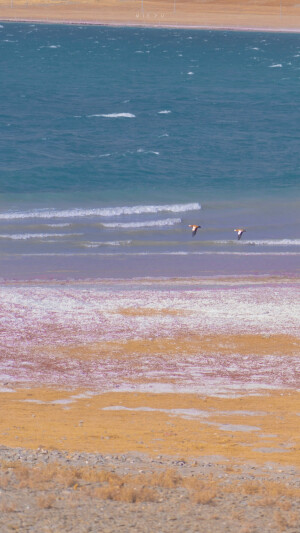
(57, 508)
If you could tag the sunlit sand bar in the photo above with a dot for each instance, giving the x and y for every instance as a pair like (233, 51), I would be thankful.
(272, 15)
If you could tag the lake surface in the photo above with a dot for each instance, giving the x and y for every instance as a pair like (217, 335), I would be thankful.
(114, 140)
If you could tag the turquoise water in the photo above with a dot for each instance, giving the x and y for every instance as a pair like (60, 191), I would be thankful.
(113, 140)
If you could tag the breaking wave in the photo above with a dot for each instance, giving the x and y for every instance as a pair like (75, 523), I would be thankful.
(25, 236)
(106, 243)
(272, 242)
(114, 115)
(144, 224)
(100, 212)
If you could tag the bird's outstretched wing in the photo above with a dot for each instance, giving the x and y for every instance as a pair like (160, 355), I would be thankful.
(194, 229)
(239, 233)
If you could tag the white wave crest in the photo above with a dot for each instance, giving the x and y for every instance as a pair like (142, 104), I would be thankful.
(142, 151)
(144, 224)
(273, 242)
(99, 212)
(106, 243)
(278, 65)
(25, 236)
(164, 112)
(114, 115)
(257, 242)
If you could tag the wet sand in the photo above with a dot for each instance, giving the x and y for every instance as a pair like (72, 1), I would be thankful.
(270, 15)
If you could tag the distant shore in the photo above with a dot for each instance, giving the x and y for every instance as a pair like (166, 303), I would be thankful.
(275, 16)
(169, 26)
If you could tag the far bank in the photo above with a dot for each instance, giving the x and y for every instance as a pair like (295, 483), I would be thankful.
(277, 15)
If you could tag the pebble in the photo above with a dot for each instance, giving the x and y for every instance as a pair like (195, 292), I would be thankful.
(173, 513)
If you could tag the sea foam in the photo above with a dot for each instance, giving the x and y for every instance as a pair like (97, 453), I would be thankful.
(273, 242)
(106, 243)
(144, 224)
(258, 242)
(99, 212)
(25, 236)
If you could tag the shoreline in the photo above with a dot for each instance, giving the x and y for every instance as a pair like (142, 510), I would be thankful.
(230, 279)
(114, 24)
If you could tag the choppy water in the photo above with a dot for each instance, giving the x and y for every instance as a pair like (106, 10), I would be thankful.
(113, 140)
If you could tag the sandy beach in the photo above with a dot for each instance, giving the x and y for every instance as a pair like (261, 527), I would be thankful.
(274, 15)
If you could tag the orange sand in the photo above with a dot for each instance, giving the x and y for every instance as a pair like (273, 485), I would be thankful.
(83, 425)
(281, 345)
(268, 14)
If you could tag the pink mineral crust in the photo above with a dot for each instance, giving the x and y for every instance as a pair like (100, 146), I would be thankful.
(38, 321)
